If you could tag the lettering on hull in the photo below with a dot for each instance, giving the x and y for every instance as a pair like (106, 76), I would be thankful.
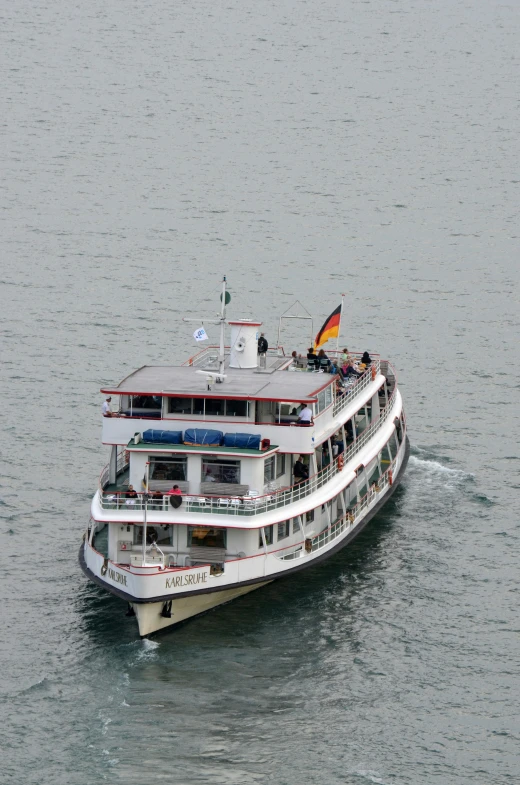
(187, 579)
(116, 576)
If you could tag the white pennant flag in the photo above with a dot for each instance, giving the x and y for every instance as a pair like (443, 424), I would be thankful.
(200, 334)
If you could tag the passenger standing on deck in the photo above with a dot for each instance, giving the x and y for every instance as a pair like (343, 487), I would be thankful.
(263, 346)
(346, 359)
(106, 409)
(300, 470)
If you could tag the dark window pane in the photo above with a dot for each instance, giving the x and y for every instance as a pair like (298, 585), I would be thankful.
(220, 470)
(236, 408)
(269, 469)
(214, 406)
(168, 468)
(284, 529)
(179, 405)
(204, 536)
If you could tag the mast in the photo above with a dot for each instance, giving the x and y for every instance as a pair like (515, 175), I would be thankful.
(145, 499)
(225, 297)
(221, 358)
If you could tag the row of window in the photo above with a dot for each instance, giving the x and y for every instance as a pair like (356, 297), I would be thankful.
(284, 528)
(220, 407)
(213, 407)
(174, 467)
(217, 538)
(197, 535)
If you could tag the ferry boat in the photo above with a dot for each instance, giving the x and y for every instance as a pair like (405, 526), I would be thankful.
(217, 486)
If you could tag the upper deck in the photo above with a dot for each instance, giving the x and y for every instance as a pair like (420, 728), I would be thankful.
(273, 383)
(248, 400)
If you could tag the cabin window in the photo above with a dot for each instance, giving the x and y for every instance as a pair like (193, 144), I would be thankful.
(215, 407)
(162, 535)
(180, 405)
(237, 408)
(284, 530)
(211, 407)
(220, 470)
(268, 532)
(296, 525)
(269, 469)
(324, 399)
(274, 467)
(198, 406)
(140, 404)
(206, 537)
(168, 467)
(309, 516)
(328, 395)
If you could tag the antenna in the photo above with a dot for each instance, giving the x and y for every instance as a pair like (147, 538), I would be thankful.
(225, 297)
(222, 322)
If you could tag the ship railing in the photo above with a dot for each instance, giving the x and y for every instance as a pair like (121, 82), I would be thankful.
(345, 522)
(316, 542)
(210, 354)
(360, 384)
(250, 504)
(123, 461)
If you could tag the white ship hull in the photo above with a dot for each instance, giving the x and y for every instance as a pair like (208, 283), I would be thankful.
(150, 618)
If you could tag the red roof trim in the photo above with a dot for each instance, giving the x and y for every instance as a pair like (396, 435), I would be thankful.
(327, 384)
(309, 399)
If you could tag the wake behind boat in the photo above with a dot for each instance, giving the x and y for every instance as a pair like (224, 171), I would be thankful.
(238, 468)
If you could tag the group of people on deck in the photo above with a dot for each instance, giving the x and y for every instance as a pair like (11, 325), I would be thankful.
(344, 367)
(131, 493)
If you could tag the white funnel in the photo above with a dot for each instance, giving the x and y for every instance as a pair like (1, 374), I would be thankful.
(244, 343)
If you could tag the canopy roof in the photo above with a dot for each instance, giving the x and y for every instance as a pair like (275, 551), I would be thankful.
(254, 384)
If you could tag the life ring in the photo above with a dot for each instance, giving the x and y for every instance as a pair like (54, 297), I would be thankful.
(104, 566)
(374, 372)
(390, 477)
(341, 462)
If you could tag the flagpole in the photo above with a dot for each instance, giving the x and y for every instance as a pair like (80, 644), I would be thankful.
(339, 329)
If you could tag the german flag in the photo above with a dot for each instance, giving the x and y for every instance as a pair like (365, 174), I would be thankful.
(330, 328)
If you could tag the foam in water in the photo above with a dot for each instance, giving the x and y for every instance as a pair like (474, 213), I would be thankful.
(148, 649)
(431, 472)
(371, 776)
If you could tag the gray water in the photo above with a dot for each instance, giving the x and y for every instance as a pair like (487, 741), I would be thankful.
(304, 149)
